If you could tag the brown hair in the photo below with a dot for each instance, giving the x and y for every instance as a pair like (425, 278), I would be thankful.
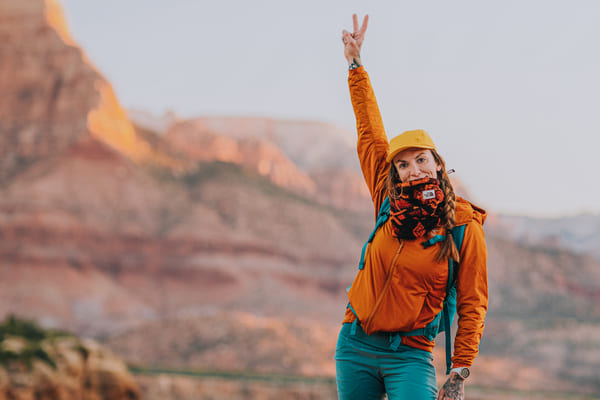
(448, 248)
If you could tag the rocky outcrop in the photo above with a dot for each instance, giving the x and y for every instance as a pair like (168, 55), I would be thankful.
(38, 365)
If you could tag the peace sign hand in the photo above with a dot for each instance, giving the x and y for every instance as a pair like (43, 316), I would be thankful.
(353, 41)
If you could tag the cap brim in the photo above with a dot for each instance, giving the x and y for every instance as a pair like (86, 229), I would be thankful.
(391, 156)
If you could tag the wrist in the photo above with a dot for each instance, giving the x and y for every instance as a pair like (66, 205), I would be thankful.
(354, 62)
(462, 372)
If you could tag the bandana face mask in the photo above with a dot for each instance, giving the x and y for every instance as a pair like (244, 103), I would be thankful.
(418, 210)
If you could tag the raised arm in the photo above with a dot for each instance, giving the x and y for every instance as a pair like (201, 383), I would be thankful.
(372, 145)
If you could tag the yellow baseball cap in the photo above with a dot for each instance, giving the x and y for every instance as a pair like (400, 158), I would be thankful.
(417, 138)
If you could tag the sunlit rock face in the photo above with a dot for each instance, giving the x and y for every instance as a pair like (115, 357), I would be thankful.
(51, 95)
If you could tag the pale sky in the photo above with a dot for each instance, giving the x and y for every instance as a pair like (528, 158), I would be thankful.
(509, 91)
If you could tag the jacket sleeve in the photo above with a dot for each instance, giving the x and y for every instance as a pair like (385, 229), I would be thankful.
(472, 295)
(372, 145)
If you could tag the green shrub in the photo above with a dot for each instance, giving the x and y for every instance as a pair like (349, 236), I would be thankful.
(14, 326)
(33, 335)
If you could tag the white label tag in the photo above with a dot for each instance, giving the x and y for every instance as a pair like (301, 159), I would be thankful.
(428, 194)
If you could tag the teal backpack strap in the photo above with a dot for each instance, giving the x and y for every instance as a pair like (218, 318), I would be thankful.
(355, 323)
(382, 217)
(433, 240)
(458, 233)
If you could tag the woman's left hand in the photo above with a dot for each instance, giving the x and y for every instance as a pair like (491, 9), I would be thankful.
(453, 389)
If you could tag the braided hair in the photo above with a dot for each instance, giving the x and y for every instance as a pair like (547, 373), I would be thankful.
(448, 248)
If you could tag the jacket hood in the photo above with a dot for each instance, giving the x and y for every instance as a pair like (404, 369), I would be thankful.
(465, 212)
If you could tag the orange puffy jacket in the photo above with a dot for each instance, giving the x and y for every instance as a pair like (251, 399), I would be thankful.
(415, 293)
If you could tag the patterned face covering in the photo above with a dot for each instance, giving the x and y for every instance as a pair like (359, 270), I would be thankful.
(418, 210)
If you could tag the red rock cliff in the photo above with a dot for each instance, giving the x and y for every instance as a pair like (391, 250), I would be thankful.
(51, 95)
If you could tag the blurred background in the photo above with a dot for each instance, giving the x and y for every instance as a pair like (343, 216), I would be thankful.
(181, 205)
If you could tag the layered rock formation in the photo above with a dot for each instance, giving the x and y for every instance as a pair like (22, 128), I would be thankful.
(132, 235)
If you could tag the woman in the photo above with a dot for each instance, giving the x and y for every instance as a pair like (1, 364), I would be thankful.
(402, 282)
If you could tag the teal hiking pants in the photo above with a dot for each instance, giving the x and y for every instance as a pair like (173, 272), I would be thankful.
(367, 367)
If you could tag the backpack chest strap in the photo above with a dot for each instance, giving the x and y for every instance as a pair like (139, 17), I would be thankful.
(435, 239)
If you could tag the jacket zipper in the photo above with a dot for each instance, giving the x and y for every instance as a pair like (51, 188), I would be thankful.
(386, 285)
